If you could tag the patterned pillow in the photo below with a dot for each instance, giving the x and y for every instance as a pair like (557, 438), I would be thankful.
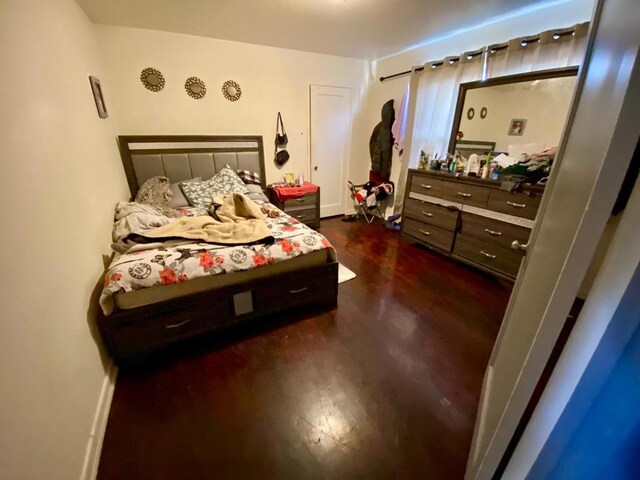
(198, 194)
(227, 181)
(249, 177)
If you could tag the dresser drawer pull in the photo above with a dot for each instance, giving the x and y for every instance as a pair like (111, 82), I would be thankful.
(300, 199)
(517, 205)
(427, 214)
(425, 232)
(300, 216)
(177, 325)
(299, 290)
(428, 187)
(488, 255)
(493, 232)
(465, 195)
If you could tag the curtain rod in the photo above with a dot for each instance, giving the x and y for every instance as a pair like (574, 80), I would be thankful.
(555, 34)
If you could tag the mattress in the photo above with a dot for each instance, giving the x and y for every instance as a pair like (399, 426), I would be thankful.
(160, 293)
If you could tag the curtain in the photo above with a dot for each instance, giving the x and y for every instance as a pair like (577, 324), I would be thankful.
(552, 49)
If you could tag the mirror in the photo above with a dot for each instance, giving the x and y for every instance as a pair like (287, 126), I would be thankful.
(518, 114)
(195, 88)
(152, 79)
(231, 90)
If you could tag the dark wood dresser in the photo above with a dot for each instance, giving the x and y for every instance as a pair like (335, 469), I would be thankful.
(305, 209)
(470, 219)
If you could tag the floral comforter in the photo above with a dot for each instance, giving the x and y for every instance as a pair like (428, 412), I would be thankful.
(142, 265)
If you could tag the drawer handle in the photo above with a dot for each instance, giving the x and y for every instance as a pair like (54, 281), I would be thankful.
(299, 290)
(428, 187)
(427, 214)
(300, 216)
(300, 199)
(517, 205)
(179, 324)
(465, 195)
(425, 232)
(488, 255)
(493, 232)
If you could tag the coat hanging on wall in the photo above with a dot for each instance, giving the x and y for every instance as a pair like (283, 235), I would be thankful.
(381, 143)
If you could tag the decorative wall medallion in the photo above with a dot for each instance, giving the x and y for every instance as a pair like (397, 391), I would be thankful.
(231, 90)
(483, 112)
(195, 88)
(152, 79)
(471, 113)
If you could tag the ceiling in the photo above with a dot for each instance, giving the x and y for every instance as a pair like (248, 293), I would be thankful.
(369, 29)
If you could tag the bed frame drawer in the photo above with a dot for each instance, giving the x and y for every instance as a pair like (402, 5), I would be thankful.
(131, 335)
(427, 234)
(493, 231)
(504, 260)
(438, 215)
(515, 203)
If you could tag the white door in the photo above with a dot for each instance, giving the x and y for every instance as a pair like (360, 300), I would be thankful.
(330, 142)
(602, 131)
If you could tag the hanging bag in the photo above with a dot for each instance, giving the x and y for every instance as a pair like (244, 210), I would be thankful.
(280, 156)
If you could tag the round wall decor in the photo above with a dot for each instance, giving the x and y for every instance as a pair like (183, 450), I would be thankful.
(231, 90)
(195, 88)
(152, 79)
(471, 113)
(483, 112)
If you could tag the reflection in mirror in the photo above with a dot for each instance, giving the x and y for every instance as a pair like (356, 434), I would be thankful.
(521, 120)
(153, 79)
(195, 88)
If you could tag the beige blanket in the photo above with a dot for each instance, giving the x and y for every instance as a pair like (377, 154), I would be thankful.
(238, 220)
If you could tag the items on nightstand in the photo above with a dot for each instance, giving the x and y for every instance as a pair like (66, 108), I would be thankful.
(301, 202)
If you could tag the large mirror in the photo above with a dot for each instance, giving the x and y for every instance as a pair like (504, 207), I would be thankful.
(518, 116)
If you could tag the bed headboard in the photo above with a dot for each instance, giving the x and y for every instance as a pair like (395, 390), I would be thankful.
(181, 157)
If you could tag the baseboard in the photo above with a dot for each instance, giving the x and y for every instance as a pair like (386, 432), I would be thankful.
(94, 445)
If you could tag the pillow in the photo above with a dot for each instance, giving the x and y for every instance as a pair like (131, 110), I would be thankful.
(156, 193)
(254, 188)
(249, 177)
(198, 194)
(227, 181)
(179, 200)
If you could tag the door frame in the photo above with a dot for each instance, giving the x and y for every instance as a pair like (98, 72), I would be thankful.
(607, 154)
(345, 166)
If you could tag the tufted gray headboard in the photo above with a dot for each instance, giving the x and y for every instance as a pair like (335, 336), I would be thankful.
(181, 157)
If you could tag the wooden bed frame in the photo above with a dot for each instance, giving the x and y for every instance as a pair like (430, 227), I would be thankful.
(133, 334)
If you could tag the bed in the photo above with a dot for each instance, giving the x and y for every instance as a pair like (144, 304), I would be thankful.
(157, 295)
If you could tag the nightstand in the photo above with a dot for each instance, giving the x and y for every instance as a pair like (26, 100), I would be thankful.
(306, 209)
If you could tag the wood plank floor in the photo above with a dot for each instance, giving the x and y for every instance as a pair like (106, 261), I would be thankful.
(386, 386)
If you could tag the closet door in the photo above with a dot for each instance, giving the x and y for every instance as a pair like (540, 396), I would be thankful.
(330, 112)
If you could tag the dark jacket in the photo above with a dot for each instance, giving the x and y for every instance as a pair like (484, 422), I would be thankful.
(381, 142)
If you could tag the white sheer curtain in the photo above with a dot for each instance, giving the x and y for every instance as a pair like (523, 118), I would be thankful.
(551, 49)
(436, 97)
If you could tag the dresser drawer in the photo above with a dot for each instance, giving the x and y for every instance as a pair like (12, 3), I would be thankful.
(492, 231)
(431, 213)
(489, 254)
(295, 203)
(304, 215)
(515, 203)
(428, 234)
(467, 194)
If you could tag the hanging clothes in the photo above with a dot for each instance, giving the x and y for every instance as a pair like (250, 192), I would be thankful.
(399, 127)
(381, 143)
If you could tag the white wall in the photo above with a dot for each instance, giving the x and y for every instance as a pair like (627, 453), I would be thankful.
(530, 21)
(61, 176)
(543, 103)
(272, 80)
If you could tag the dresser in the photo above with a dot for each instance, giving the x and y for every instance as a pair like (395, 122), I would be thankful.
(470, 219)
(306, 209)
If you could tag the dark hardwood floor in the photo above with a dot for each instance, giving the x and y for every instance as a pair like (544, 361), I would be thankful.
(384, 387)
